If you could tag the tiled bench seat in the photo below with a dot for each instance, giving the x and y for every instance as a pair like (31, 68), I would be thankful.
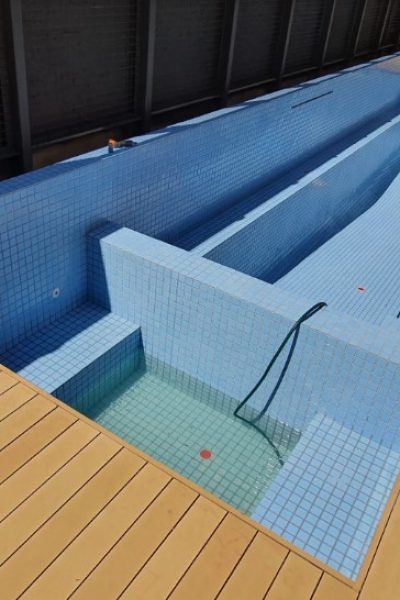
(62, 357)
(329, 496)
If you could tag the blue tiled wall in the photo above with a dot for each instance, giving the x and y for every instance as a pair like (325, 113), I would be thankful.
(170, 182)
(341, 389)
(222, 327)
(101, 377)
(273, 238)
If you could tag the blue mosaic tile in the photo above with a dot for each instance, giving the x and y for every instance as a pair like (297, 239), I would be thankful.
(357, 269)
(171, 182)
(335, 515)
(63, 350)
(191, 321)
(90, 281)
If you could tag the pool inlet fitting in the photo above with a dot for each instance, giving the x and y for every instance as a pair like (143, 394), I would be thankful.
(114, 145)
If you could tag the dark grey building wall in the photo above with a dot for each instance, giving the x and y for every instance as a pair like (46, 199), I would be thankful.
(94, 65)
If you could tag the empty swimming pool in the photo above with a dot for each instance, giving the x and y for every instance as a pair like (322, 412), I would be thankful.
(149, 288)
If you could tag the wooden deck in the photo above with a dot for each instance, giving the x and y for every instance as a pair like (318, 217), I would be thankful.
(85, 516)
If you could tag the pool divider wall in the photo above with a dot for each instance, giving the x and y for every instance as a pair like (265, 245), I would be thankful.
(222, 327)
(276, 236)
(169, 182)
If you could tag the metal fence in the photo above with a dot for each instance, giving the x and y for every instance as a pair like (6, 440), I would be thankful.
(70, 68)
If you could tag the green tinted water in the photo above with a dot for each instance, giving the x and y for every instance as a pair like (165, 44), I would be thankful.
(173, 417)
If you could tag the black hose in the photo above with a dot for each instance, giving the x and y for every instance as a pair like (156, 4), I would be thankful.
(295, 329)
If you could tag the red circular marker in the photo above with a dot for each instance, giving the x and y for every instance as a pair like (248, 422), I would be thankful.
(361, 289)
(206, 454)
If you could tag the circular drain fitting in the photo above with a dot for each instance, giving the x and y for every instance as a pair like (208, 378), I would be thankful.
(205, 454)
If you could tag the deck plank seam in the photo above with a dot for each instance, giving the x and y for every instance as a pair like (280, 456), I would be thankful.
(361, 584)
(30, 426)
(235, 566)
(317, 585)
(200, 552)
(276, 574)
(109, 551)
(88, 522)
(32, 456)
(242, 558)
(18, 407)
(62, 506)
(50, 476)
(197, 556)
(11, 386)
(165, 540)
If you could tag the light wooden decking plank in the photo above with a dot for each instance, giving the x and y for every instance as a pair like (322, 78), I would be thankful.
(98, 538)
(13, 398)
(330, 588)
(160, 575)
(55, 535)
(126, 559)
(45, 464)
(256, 570)
(383, 581)
(218, 559)
(18, 422)
(88, 549)
(24, 521)
(297, 579)
(6, 381)
(26, 446)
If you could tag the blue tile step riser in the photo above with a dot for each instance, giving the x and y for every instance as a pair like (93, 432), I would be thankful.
(67, 355)
(103, 375)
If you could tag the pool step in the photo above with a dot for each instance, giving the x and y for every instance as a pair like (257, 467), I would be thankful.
(330, 494)
(77, 352)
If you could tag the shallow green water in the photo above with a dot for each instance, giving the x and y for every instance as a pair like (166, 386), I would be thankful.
(173, 417)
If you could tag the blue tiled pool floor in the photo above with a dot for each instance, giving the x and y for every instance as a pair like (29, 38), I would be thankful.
(329, 496)
(173, 422)
(357, 271)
